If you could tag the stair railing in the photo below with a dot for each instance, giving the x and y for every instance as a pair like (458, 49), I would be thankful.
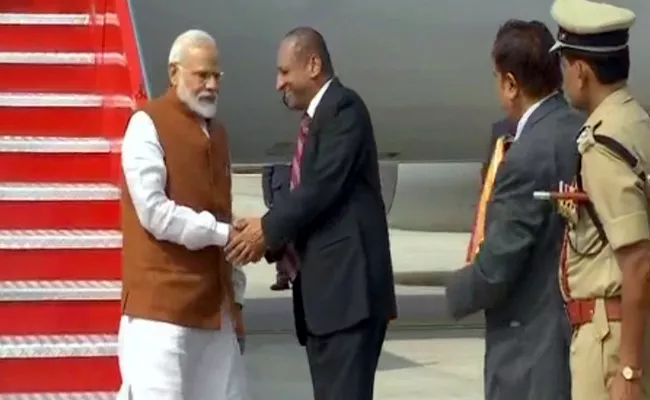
(131, 44)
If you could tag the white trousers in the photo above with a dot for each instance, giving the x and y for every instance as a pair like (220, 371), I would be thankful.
(162, 361)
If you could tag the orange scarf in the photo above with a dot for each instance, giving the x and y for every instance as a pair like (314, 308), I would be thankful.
(500, 147)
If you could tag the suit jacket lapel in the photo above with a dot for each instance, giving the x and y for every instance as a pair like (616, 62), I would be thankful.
(325, 103)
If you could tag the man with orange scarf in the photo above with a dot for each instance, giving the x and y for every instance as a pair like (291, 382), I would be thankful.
(513, 255)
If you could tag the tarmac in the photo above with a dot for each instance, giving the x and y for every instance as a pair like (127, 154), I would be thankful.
(426, 354)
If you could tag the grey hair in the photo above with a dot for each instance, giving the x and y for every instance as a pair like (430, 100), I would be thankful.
(187, 39)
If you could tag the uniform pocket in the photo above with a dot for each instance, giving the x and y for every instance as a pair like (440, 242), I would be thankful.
(610, 349)
(588, 374)
(608, 337)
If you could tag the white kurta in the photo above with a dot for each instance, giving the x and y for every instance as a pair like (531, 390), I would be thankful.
(162, 361)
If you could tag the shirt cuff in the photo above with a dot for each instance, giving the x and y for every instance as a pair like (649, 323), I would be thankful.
(239, 297)
(222, 232)
(627, 230)
(238, 284)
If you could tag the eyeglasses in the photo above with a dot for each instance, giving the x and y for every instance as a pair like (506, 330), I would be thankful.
(207, 75)
(203, 75)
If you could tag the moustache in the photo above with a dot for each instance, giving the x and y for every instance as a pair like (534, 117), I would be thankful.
(208, 98)
(285, 101)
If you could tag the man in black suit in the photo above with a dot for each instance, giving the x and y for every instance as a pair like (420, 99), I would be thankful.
(335, 220)
(514, 277)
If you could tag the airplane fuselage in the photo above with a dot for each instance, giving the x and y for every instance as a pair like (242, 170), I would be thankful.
(423, 68)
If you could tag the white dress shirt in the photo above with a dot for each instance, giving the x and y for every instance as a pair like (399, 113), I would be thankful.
(524, 118)
(145, 174)
(313, 104)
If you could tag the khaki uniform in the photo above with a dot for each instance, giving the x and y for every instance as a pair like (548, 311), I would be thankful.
(592, 284)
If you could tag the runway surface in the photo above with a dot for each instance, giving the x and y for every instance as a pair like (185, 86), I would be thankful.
(426, 354)
(415, 365)
(412, 252)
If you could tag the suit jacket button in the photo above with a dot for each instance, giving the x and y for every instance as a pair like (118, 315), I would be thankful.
(515, 324)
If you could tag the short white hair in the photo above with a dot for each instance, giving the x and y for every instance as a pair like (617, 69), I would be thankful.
(186, 40)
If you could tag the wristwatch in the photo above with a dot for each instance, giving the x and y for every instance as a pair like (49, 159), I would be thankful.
(630, 374)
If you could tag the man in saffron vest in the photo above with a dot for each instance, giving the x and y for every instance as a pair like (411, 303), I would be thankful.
(181, 300)
(605, 269)
(512, 272)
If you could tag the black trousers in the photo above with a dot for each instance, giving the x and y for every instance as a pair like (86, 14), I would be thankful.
(343, 364)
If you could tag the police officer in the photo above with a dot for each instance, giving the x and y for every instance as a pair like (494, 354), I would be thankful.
(605, 271)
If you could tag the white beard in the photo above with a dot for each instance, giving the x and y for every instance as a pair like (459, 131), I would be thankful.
(206, 109)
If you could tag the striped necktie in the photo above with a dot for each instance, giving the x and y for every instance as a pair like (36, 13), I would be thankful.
(291, 262)
(300, 146)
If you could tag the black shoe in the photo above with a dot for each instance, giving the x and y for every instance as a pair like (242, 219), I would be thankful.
(279, 286)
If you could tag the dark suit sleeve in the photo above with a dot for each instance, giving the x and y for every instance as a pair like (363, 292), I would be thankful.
(275, 186)
(330, 168)
(272, 257)
(267, 187)
(515, 219)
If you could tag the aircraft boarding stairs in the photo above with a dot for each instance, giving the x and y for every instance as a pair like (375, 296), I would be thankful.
(69, 78)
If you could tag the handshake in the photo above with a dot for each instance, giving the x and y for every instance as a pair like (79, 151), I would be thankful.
(245, 242)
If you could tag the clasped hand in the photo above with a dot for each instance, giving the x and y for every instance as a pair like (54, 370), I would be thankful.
(246, 242)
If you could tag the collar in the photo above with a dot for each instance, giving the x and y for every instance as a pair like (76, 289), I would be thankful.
(621, 96)
(313, 104)
(524, 118)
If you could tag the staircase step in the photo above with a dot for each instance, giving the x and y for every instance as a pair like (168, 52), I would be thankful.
(71, 168)
(65, 144)
(21, 291)
(59, 239)
(63, 72)
(65, 264)
(67, 100)
(60, 58)
(60, 396)
(66, 160)
(60, 32)
(60, 215)
(59, 317)
(53, 6)
(59, 206)
(58, 18)
(59, 307)
(60, 254)
(57, 346)
(48, 114)
(37, 192)
(58, 363)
